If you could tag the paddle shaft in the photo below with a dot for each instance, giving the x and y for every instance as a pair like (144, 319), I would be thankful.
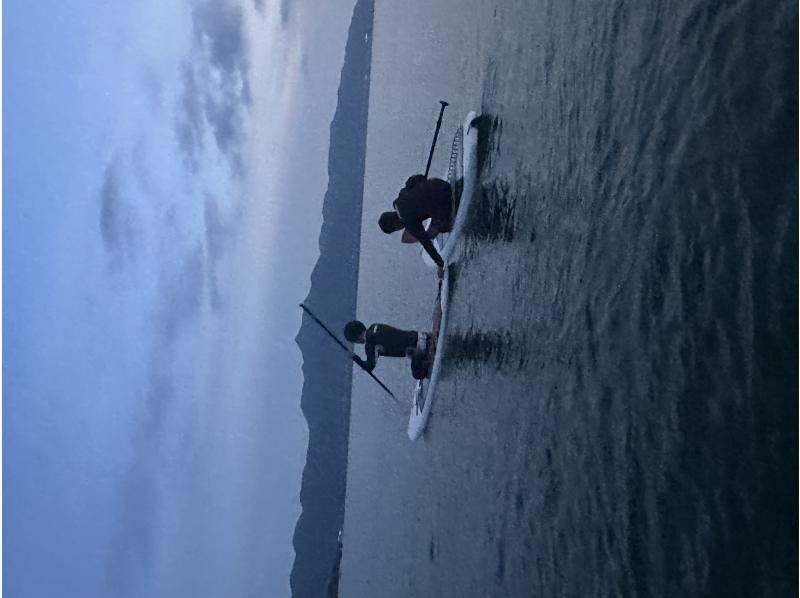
(435, 136)
(348, 351)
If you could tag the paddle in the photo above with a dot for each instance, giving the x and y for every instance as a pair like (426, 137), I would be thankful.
(435, 136)
(348, 351)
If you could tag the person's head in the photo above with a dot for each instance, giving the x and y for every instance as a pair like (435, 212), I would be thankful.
(390, 222)
(355, 331)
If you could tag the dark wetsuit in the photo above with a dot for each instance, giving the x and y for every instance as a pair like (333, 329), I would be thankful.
(421, 199)
(388, 341)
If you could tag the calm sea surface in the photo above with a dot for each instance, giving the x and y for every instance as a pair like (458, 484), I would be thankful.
(619, 410)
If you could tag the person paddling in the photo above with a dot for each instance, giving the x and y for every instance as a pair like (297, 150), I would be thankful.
(387, 341)
(421, 198)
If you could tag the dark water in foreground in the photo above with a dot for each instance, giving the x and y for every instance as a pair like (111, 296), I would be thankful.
(619, 414)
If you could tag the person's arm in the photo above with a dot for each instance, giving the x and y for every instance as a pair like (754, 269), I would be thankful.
(369, 350)
(415, 228)
(432, 231)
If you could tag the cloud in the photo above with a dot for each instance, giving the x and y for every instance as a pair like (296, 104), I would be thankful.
(131, 556)
(190, 125)
(216, 231)
(153, 87)
(215, 89)
(182, 295)
(283, 8)
(116, 217)
(214, 96)
(284, 12)
(220, 233)
(217, 236)
(133, 537)
(140, 168)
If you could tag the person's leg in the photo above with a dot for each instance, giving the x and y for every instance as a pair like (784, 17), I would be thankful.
(439, 199)
(433, 228)
(422, 341)
(420, 347)
(419, 367)
(450, 199)
(420, 358)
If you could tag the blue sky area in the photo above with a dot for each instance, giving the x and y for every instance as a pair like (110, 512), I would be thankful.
(164, 165)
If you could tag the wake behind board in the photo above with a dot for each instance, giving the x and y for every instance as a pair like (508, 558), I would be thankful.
(464, 166)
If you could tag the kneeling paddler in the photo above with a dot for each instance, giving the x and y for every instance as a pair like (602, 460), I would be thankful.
(388, 341)
(421, 198)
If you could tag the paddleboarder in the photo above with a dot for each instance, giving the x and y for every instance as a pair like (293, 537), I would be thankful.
(421, 198)
(355, 358)
(388, 341)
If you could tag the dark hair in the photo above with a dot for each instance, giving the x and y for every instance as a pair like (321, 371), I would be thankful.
(353, 330)
(390, 222)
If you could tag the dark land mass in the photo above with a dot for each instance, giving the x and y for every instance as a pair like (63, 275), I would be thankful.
(327, 373)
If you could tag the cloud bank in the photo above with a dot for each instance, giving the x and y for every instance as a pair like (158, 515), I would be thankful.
(116, 217)
(215, 89)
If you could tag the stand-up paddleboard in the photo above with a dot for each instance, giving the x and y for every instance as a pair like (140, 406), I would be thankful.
(463, 166)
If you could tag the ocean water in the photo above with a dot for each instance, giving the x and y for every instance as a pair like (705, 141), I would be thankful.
(618, 414)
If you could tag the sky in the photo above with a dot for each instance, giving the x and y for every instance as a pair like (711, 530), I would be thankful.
(164, 165)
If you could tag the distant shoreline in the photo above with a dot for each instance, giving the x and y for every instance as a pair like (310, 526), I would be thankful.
(327, 373)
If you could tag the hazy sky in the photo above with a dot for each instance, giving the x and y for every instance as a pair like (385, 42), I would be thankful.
(164, 165)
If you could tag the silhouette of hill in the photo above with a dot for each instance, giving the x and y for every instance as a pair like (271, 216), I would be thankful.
(327, 373)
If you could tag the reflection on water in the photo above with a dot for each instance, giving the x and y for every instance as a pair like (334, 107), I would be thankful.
(493, 216)
(493, 347)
